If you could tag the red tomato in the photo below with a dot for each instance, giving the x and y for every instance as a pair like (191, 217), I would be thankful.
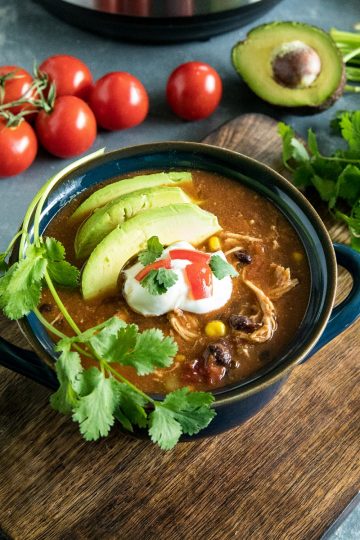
(69, 129)
(18, 147)
(199, 276)
(70, 75)
(194, 90)
(189, 255)
(163, 263)
(14, 87)
(119, 101)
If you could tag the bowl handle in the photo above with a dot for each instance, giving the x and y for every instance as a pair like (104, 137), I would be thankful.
(26, 363)
(348, 311)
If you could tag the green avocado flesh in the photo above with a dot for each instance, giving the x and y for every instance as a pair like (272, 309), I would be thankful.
(253, 58)
(122, 187)
(170, 223)
(106, 218)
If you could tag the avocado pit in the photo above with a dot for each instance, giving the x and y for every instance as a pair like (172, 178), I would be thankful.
(295, 65)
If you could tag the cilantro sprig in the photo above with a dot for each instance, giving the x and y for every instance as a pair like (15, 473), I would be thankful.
(159, 281)
(336, 178)
(152, 252)
(20, 287)
(99, 396)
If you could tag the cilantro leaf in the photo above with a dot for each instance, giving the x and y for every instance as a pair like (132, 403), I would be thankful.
(312, 143)
(3, 263)
(130, 410)
(61, 271)
(221, 268)
(326, 188)
(350, 130)
(98, 399)
(153, 251)
(292, 147)
(23, 284)
(64, 273)
(55, 251)
(152, 350)
(164, 429)
(122, 343)
(114, 340)
(348, 184)
(159, 281)
(68, 368)
(182, 411)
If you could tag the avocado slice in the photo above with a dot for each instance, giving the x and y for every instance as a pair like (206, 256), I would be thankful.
(291, 64)
(114, 213)
(170, 223)
(112, 191)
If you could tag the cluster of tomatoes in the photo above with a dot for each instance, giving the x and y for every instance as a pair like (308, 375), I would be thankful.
(61, 107)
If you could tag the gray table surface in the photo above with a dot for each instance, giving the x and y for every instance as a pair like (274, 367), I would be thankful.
(28, 33)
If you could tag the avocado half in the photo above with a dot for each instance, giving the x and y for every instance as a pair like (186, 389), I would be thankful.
(291, 64)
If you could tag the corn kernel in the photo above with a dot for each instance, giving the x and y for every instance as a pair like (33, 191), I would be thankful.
(214, 243)
(297, 256)
(180, 357)
(215, 329)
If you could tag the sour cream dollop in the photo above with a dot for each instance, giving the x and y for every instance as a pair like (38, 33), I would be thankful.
(177, 296)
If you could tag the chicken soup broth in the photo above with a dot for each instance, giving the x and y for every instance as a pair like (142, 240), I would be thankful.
(267, 303)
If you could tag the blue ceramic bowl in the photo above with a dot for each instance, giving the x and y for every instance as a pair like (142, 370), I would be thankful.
(321, 323)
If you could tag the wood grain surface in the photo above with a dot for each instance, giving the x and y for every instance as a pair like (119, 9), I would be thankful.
(285, 474)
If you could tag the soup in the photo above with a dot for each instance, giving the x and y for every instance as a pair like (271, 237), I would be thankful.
(260, 309)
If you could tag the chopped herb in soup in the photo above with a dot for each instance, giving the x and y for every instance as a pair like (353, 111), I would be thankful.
(197, 255)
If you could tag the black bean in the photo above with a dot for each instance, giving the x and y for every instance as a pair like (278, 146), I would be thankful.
(219, 353)
(243, 323)
(45, 308)
(243, 257)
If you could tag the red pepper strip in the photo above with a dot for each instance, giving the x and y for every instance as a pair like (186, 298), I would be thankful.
(189, 255)
(199, 276)
(163, 263)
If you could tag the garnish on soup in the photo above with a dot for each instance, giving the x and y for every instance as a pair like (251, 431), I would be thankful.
(174, 299)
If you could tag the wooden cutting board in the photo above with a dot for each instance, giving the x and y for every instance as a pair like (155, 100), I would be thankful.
(285, 474)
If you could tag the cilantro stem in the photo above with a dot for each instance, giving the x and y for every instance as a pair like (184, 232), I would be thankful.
(12, 242)
(126, 381)
(351, 55)
(345, 160)
(60, 304)
(349, 88)
(48, 325)
(104, 365)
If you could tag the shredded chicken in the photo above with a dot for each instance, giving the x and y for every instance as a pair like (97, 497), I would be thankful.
(185, 324)
(230, 237)
(268, 316)
(59, 318)
(283, 282)
(233, 250)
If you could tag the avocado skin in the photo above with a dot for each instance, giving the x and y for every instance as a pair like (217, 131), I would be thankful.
(300, 109)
